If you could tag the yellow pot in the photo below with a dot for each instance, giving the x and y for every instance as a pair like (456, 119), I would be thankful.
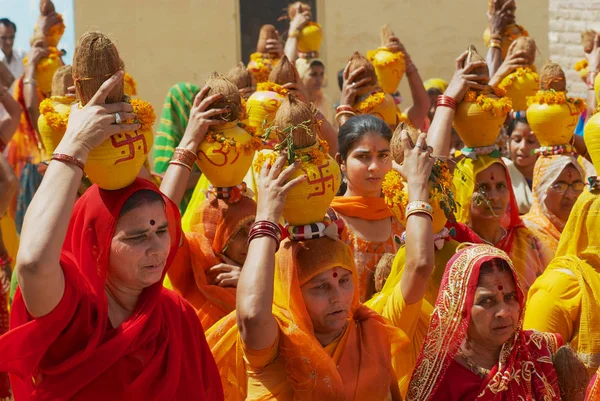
(45, 71)
(310, 38)
(389, 67)
(308, 202)
(386, 110)
(523, 84)
(225, 165)
(475, 126)
(117, 161)
(591, 135)
(597, 88)
(52, 123)
(439, 218)
(553, 124)
(261, 108)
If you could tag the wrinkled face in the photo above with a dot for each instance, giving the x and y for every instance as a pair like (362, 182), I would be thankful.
(140, 247)
(7, 38)
(522, 142)
(313, 80)
(328, 299)
(495, 312)
(492, 194)
(367, 164)
(237, 248)
(563, 193)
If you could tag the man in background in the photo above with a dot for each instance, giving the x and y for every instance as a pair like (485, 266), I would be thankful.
(13, 58)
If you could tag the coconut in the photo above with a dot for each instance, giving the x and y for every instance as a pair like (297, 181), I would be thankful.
(240, 76)
(6, 77)
(473, 57)
(297, 114)
(62, 80)
(524, 44)
(293, 9)
(552, 77)
(573, 377)
(396, 142)
(266, 32)
(96, 59)
(358, 61)
(284, 72)
(46, 7)
(231, 99)
(587, 40)
(385, 33)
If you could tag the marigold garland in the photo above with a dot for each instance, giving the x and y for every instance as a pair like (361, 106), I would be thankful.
(581, 65)
(498, 107)
(556, 97)
(271, 87)
(520, 72)
(56, 121)
(396, 56)
(57, 30)
(260, 66)
(372, 101)
(248, 148)
(144, 112)
(47, 62)
(130, 85)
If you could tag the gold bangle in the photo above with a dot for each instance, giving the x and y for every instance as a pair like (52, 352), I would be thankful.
(494, 45)
(27, 81)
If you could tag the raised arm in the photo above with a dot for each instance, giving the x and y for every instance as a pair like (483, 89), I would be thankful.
(10, 123)
(39, 272)
(502, 15)
(254, 300)
(176, 178)
(509, 65)
(593, 68)
(296, 24)
(32, 103)
(420, 257)
(439, 137)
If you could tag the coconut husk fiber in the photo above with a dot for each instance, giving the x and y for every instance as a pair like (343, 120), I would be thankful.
(396, 143)
(62, 80)
(473, 57)
(587, 40)
(6, 77)
(527, 45)
(552, 77)
(284, 72)
(294, 113)
(240, 76)
(358, 61)
(385, 33)
(266, 32)
(47, 7)
(293, 9)
(573, 377)
(231, 99)
(95, 60)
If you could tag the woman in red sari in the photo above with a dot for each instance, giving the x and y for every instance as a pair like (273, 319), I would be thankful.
(475, 348)
(91, 320)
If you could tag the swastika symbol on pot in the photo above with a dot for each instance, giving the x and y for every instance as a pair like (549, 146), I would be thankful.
(320, 182)
(130, 142)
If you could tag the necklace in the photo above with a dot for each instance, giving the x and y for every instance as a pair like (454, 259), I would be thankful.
(473, 367)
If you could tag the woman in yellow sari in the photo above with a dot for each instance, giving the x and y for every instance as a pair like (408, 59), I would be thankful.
(558, 180)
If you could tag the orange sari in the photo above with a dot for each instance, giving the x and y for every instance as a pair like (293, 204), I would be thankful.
(214, 224)
(359, 365)
(544, 224)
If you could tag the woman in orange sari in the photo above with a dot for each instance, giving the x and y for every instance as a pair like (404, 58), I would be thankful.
(364, 156)
(558, 180)
(475, 348)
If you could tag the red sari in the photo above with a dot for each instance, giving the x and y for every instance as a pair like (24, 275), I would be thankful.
(524, 370)
(73, 353)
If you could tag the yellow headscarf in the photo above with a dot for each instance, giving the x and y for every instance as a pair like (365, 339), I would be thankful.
(436, 83)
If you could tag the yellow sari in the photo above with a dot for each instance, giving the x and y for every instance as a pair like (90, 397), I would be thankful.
(566, 298)
(359, 365)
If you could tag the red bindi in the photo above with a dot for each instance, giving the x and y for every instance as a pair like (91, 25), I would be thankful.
(335, 274)
(492, 176)
(570, 173)
(500, 287)
(152, 222)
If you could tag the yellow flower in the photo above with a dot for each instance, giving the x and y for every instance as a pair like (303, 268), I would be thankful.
(272, 87)
(260, 66)
(372, 101)
(498, 107)
(47, 62)
(556, 97)
(261, 158)
(130, 85)
(144, 113)
(398, 56)
(520, 72)
(55, 120)
(581, 65)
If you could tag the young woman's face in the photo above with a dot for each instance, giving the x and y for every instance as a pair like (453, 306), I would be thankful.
(496, 310)
(368, 161)
(140, 247)
(563, 193)
(237, 248)
(522, 142)
(328, 299)
(492, 194)
(313, 80)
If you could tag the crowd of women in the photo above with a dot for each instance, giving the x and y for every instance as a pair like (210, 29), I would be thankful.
(285, 249)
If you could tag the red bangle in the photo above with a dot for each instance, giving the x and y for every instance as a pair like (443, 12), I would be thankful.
(446, 101)
(344, 107)
(68, 160)
(265, 228)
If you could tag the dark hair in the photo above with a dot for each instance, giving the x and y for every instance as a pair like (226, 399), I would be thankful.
(139, 198)
(434, 91)
(356, 127)
(492, 265)
(522, 119)
(341, 79)
(316, 63)
(9, 23)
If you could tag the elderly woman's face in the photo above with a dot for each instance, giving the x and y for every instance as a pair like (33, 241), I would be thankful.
(563, 192)
(140, 247)
(492, 195)
(496, 310)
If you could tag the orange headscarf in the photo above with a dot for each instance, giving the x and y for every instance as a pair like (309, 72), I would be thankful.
(200, 252)
(361, 207)
(361, 366)
(545, 224)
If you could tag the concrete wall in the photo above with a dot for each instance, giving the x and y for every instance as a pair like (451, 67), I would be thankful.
(166, 41)
(568, 18)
